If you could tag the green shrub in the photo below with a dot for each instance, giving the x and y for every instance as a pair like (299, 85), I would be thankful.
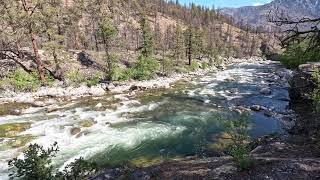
(146, 68)
(296, 55)
(193, 67)
(49, 80)
(205, 65)
(167, 66)
(181, 69)
(3, 83)
(35, 165)
(23, 81)
(239, 148)
(79, 169)
(74, 78)
(115, 74)
(127, 74)
(94, 80)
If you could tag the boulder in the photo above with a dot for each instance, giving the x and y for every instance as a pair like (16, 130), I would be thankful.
(268, 113)
(301, 84)
(230, 79)
(265, 91)
(99, 105)
(96, 91)
(10, 130)
(256, 108)
(87, 123)
(111, 86)
(75, 130)
(52, 108)
(16, 112)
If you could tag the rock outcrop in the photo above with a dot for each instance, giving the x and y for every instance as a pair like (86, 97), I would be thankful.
(302, 84)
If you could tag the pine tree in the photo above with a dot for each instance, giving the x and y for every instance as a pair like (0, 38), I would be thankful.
(179, 44)
(147, 48)
(190, 46)
(108, 33)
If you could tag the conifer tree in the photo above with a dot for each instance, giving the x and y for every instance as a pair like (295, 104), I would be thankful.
(179, 44)
(147, 48)
(190, 46)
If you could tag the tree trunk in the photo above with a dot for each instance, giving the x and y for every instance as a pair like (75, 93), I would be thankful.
(37, 57)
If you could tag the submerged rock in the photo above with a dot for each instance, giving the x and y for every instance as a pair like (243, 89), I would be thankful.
(18, 141)
(256, 108)
(11, 130)
(265, 91)
(75, 130)
(268, 113)
(16, 112)
(230, 79)
(87, 123)
(52, 108)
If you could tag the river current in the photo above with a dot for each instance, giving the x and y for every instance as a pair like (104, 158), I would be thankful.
(155, 125)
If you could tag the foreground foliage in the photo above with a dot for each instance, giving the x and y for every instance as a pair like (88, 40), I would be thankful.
(36, 165)
(21, 80)
(297, 54)
(239, 148)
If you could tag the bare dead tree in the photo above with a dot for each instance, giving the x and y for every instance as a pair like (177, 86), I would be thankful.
(296, 30)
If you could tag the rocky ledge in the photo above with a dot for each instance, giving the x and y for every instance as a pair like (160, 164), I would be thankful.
(302, 84)
(274, 159)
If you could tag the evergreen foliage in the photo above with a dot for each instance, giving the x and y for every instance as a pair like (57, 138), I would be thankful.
(37, 165)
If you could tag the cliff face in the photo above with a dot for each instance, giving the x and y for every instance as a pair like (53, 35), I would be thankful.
(257, 15)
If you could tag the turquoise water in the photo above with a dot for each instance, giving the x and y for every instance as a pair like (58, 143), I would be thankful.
(136, 129)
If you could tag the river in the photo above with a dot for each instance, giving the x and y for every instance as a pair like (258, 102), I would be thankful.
(155, 125)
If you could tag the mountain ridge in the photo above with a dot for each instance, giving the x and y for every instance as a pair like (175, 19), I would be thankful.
(257, 15)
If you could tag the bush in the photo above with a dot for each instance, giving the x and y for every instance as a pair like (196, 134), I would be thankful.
(181, 69)
(205, 65)
(94, 80)
(79, 169)
(239, 148)
(74, 78)
(127, 74)
(296, 55)
(23, 81)
(167, 66)
(193, 67)
(146, 68)
(36, 165)
(115, 74)
(49, 80)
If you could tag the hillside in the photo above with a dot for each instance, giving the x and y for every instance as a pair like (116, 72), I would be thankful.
(257, 15)
(78, 31)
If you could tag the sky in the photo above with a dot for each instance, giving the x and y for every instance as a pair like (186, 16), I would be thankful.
(226, 3)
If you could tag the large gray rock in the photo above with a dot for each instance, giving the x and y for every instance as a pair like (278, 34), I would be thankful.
(265, 91)
(302, 85)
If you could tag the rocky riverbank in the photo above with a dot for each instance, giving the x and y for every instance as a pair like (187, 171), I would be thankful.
(58, 91)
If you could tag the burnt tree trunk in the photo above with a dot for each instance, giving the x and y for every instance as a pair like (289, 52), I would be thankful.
(37, 57)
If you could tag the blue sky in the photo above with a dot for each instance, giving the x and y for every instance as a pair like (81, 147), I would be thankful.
(226, 3)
